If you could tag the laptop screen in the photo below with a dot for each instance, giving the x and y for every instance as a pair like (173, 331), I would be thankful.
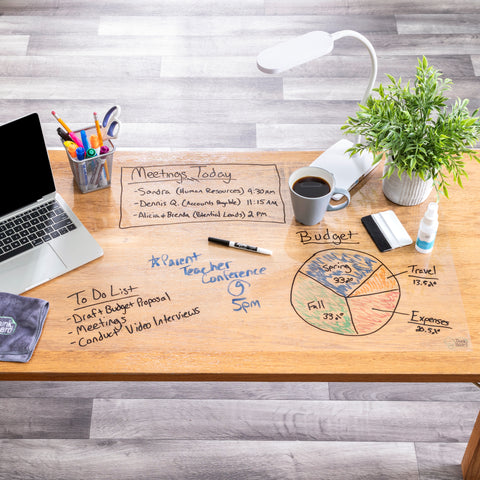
(26, 172)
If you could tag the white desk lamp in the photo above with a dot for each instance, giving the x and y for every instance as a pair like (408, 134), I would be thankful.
(348, 170)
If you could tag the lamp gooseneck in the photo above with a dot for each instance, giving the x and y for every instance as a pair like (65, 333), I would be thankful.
(371, 51)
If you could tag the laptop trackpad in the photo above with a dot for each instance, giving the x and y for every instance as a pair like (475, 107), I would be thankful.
(30, 269)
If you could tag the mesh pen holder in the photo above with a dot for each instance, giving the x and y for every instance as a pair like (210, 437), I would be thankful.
(95, 172)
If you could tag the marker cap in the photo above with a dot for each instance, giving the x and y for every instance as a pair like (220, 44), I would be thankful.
(94, 142)
(80, 153)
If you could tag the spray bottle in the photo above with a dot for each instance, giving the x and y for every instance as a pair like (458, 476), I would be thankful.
(428, 229)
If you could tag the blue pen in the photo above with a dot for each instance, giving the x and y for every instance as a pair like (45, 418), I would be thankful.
(80, 153)
(80, 157)
(86, 145)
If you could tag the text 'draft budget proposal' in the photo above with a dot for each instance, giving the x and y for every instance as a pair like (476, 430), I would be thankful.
(170, 194)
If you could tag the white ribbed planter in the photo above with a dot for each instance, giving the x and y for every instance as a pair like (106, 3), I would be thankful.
(406, 191)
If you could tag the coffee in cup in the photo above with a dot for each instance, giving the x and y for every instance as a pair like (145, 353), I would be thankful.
(311, 189)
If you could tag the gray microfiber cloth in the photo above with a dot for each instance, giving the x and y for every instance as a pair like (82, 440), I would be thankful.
(21, 323)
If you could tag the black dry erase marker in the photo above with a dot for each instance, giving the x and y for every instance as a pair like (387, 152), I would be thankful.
(241, 246)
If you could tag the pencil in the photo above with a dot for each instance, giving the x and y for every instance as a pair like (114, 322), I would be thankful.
(65, 126)
(61, 122)
(99, 132)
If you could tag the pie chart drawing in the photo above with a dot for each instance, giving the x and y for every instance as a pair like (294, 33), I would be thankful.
(345, 291)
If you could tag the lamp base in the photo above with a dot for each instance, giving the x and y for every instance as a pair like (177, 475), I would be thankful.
(348, 171)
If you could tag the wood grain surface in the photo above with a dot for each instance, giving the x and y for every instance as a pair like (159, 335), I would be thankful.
(174, 284)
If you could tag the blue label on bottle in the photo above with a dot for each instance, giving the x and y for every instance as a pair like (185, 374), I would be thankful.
(425, 245)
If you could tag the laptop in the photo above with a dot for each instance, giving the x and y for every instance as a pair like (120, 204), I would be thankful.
(40, 236)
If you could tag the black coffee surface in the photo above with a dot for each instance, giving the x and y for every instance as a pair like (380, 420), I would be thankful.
(311, 187)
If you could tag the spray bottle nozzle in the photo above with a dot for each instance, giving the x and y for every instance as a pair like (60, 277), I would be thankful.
(432, 211)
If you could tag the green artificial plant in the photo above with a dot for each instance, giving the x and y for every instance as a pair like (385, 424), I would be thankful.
(416, 130)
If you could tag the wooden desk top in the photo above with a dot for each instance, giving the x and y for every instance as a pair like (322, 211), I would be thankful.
(164, 304)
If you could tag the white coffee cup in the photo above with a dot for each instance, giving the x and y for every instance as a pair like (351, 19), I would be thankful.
(311, 189)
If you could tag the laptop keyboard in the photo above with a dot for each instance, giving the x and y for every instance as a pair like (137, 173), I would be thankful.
(32, 228)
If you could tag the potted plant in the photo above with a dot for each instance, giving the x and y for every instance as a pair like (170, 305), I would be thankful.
(425, 141)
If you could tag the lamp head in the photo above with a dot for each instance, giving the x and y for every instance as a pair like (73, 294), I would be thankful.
(311, 46)
(294, 52)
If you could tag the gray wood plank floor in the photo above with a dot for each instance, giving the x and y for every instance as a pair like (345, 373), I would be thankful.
(184, 74)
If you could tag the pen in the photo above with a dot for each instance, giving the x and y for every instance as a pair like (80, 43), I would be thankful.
(97, 126)
(80, 153)
(83, 134)
(241, 246)
(103, 150)
(97, 166)
(95, 144)
(63, 134)
(71, 147)
(81, 156)
(70, 133)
